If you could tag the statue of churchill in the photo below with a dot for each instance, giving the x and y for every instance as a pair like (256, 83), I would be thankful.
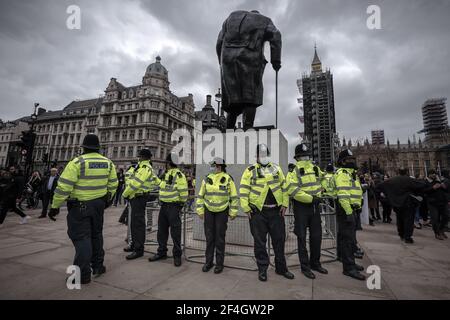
(240, 49)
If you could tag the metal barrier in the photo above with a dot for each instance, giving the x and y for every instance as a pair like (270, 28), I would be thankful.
(239, 251)
(329, 235)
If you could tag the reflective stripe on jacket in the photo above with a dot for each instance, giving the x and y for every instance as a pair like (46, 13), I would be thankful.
(141, 180)
(173, 187)
(304, 182)
(217, 193)
(348, 189)
(87, 177)
(255, 183)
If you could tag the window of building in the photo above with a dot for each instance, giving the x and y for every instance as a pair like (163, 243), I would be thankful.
(117, 136)
(132, 132)
(124, 135)
(122, 152)
(140, 134)
(130, 151)
(119, 121)
(163, 136)
(115, 152)
(162, 153)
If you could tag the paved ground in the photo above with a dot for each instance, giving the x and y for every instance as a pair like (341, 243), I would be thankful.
(34, 257)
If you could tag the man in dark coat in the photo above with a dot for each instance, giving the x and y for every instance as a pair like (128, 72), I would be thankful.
(240, 49)
(48, 190)
(437, 200)
(399, 191)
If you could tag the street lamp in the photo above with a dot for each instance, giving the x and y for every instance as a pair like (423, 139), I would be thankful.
(218, 100)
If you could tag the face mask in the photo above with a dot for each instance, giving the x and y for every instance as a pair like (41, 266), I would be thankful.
(264, 161)
(212, 169)
(306, 158)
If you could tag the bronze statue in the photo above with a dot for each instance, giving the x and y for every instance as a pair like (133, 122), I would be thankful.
(240, 49)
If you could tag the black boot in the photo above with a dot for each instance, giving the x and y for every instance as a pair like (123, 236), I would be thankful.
(262, 275)
(157, 257)
(134, 255)
(207, 267)
(355, 275)
(97, 272)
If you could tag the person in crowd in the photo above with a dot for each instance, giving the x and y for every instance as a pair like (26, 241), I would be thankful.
(399, 191)
(11, 192)
(386, 207)
(436, 191)
(373, 199)
(446, 178)
(120, 187)
(48, 190)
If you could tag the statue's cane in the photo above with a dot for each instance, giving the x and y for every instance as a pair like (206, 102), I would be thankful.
(276, 99)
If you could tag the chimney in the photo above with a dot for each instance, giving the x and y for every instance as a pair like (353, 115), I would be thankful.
(208, 100)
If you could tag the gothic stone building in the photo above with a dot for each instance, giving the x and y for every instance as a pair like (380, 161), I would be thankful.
(126, 119)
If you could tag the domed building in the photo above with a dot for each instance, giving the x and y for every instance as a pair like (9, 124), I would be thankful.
(141, 116)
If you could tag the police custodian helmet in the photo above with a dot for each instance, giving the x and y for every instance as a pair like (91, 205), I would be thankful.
(218, 161)
(344, 154)
(301, 150)
(145, 153)
(91, 142)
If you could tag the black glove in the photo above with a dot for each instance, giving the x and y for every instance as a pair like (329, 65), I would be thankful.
(108, 200)
(276, 66)
(53, 213)
(349, 218)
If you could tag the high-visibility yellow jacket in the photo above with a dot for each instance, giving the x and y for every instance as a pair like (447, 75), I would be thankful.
(217, 193)
(129, 173)
(304, 182)
(87, 177)
(173, 187)
(348, 189)
(141, 180)
(328, 185)
(255, 183)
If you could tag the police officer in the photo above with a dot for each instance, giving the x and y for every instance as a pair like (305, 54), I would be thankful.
(304, 187)
(263, 199)
(173, 194)
(349, 200)
(216, 200)
(140, 183)
(88, 182)
(124, 216)
(327, 181)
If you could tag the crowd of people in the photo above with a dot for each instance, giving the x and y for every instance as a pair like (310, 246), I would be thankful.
(427, 199)
(90, 183)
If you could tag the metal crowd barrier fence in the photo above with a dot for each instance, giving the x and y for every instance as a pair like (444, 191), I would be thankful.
(239, 252)
(329, 235)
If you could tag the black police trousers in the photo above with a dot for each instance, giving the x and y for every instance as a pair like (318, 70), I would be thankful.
(345, 239)
(405, 221)
(85, 229)
(215, 229)
(308, 216)
(169, 218)
(269, 221)
(138, 227)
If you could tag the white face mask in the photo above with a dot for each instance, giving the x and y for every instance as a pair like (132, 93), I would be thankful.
(305, 158)
(264, 160)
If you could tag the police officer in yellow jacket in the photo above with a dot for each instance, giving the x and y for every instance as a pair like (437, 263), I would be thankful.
(328, 182)
(264, 200)
(216, 200)
(173, 194)
(303, 185)
(140, 183)
(88, 183)
(349, 199)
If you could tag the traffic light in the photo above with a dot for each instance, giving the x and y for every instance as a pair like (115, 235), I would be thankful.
(27, 144)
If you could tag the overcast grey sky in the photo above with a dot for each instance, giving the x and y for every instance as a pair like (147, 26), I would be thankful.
(381, 77)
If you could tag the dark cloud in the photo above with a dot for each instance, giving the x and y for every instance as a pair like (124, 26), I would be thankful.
(381, 77)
